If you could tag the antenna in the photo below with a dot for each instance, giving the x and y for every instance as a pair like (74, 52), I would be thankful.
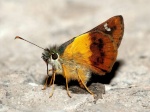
(18, 37)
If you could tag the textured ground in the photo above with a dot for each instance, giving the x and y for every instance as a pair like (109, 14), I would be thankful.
(22, 71)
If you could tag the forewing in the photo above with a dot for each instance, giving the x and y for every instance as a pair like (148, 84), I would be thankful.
(96, 49)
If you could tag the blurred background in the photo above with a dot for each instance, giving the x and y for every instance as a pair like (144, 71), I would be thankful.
(51, 22)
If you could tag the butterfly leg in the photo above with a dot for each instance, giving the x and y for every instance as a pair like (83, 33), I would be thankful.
(53, 80)
(65, 72)
(84, 78)
(82, 82)
(45, 85)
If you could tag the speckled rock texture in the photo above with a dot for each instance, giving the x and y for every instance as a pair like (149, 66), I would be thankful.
(50, 22)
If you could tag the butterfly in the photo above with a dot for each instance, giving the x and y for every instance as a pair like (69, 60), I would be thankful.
(92, 52)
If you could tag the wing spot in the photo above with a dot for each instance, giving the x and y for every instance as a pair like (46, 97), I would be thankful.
(101, 43)
(106, 27)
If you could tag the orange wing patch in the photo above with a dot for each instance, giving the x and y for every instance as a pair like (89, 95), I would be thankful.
(79, 49)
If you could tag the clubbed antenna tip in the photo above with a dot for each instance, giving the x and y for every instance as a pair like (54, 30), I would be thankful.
(18, 37)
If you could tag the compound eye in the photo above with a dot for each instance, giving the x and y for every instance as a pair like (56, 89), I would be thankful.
(54, 56)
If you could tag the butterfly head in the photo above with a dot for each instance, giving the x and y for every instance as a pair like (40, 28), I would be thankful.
(50, 55)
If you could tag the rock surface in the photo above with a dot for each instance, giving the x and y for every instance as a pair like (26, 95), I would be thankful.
(22, 71)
